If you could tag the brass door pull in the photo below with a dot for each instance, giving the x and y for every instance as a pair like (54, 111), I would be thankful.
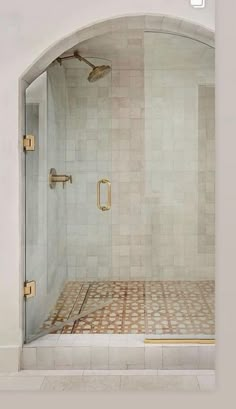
(108, 205)
(54, 178)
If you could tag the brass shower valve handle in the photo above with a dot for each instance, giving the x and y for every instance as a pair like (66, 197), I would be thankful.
(67, 179)
(54, 178)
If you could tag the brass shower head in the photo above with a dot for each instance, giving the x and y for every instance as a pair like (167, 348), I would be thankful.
(97, 71)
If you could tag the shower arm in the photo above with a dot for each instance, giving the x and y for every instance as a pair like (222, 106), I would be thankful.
(78, 56)
(75, 55)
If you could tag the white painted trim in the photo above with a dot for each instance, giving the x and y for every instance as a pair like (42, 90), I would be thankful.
(10, 358)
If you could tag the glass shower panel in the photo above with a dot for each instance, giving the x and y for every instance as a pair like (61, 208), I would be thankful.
(45, 207)
(36, 205)
(68, 197)
(179, 185)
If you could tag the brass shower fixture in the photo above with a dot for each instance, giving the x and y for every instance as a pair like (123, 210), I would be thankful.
(97, 71)
(55, 178)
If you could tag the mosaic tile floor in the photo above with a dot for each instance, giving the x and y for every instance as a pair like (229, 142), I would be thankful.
(157, 307)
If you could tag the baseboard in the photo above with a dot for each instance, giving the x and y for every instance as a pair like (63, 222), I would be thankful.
(10, 358)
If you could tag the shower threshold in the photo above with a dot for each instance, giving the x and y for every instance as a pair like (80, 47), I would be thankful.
(114, 351)
(128, 325)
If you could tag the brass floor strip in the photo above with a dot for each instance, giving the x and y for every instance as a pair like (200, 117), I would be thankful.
(180, 341)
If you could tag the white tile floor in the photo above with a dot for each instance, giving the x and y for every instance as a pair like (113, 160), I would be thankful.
(109, 380)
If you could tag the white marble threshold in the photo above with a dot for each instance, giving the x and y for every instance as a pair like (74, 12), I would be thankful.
(102, 339)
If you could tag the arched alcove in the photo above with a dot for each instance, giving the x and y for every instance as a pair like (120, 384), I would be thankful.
(156, 23)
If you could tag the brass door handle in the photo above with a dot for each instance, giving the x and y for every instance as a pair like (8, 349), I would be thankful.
(108, 205)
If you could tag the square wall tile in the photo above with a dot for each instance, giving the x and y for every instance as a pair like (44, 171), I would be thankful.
(99, 357)
(183, 357)
(118, 357)
(153, 357)
(45, 357)
(81, 357)
(63, 357)
(207, 356)
(28, 358)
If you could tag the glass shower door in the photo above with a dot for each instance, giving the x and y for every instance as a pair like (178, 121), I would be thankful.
(68, 198)
(36, 192)
(45, 215)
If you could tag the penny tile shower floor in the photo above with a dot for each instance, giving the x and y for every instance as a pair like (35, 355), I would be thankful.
(157, 307)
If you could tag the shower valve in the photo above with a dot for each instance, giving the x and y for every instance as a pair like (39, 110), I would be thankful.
(54, 178)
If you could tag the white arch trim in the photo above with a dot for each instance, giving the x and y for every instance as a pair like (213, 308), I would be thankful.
(150, 22)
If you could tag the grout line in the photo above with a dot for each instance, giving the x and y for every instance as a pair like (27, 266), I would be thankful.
(198, 383)
(162, 358)
(198, 357)
(43, 382)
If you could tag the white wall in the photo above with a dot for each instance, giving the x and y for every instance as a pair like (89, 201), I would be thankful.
(26, 29)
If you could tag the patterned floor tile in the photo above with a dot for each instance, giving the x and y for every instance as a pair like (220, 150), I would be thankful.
(157, 307)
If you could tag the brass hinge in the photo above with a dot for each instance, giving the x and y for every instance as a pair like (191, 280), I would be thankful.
(30, 289)
(29, 143)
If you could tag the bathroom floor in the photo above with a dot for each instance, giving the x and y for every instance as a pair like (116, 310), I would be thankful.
(109, 380)
(150, 307)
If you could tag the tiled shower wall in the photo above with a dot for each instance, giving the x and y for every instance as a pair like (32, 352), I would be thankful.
(140, 129)
(206, 171)
(56, 198)
(88, 159)
(179, 151)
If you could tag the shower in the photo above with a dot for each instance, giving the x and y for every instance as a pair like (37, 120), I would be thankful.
(134, 250)
(97, 71)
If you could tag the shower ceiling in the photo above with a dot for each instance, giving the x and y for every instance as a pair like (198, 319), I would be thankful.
(126, 50)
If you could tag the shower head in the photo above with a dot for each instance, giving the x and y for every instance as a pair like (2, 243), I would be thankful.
(97, 71)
